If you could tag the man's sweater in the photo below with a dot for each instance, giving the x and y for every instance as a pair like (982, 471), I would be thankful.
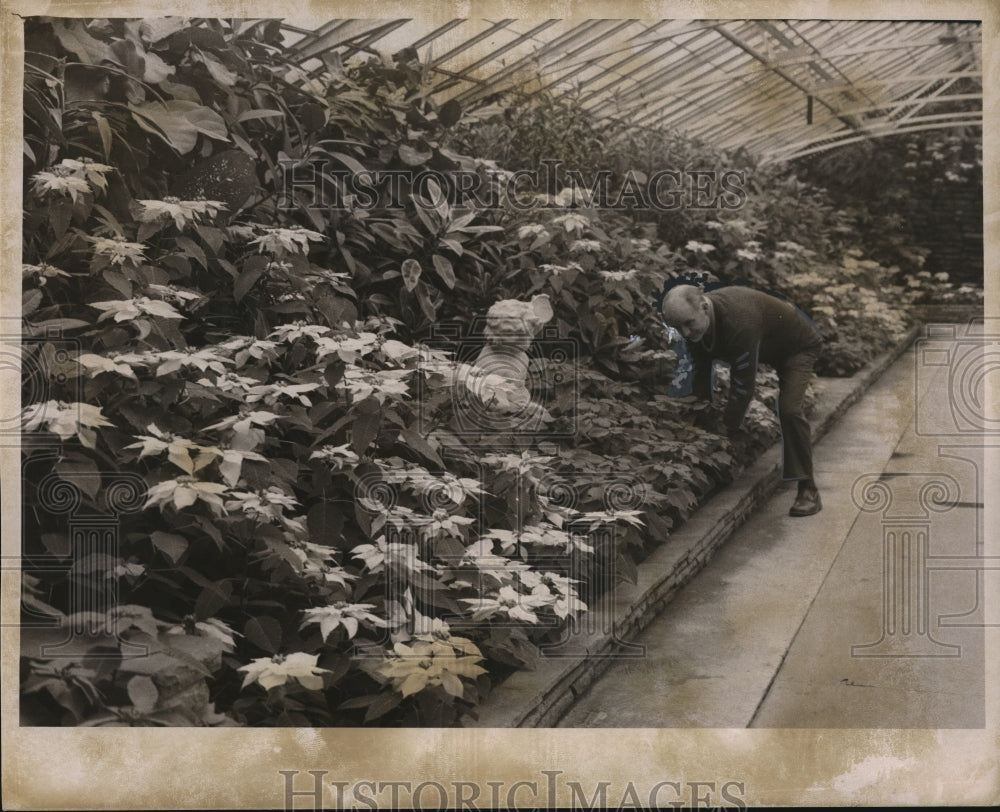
(749, 327)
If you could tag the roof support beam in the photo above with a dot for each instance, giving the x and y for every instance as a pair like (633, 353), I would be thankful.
(763, 60)
(449, 83)
(779, 156)
(798, 60)
(559, 42)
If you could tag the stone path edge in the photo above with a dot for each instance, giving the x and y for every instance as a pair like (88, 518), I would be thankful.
(540, 697)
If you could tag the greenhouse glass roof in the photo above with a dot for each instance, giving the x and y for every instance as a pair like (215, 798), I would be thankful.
(780, 88)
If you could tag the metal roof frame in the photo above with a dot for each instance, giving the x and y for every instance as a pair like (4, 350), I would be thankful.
(779, 88)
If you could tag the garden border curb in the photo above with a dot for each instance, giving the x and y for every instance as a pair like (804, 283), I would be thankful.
(540, 697)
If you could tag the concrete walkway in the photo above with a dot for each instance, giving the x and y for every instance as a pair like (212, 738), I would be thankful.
(860, 618)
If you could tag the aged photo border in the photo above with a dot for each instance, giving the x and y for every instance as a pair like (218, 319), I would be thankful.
(146, 768)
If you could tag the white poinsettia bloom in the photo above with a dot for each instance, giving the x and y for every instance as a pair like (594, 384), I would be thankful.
(341, 613)
(372, 555)
(507, 539)
(532, 230)
(337, 456)
(94, 365)
(235, 343)
(118, 251)
(270, 672)
(59, 181)
(448, 486)
(42, 270)
(571, 195)
(173, 294)
(182, 212)
(266, 505)
(572, 223)
(231, 464)
(424, 663)
(792, 247)
(319, 560)
(442, 523)
(526, 463)
(212, 627)
(480, 554)
(508, 601)
(245, 420)
(699, 247)
(269, 393)
(565, 600)
(173, 360)
(90, 170)
(64, 419)
(585, 245)
(229, 382)
(348, 347)
(298, 329)
(184, 491)
(558, 270)
(259, 349)
(435, 630)
(398, 352)
(545, 535)
(178, 449)
(395, 555)
(386, 383)
(129, 309)
(619, 276)
(281, 241)
(240, 232)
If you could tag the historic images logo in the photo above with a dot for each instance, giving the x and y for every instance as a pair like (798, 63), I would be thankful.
(319, 184)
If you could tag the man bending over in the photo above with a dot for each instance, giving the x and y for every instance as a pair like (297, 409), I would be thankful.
(744, 327)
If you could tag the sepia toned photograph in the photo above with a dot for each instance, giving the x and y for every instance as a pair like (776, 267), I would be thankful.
(490, 410)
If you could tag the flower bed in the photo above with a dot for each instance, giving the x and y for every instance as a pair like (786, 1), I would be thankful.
(319, 529)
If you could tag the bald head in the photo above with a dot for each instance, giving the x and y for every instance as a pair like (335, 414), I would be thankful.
(686, 309)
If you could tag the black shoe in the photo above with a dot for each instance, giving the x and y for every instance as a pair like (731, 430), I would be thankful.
(806, 503)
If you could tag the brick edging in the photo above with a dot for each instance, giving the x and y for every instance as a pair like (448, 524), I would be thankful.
(539, 698)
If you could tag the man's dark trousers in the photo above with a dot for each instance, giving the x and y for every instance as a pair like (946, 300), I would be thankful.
(796, 442)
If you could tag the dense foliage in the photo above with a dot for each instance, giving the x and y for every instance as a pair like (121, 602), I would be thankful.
(937, 230)
(320, 513)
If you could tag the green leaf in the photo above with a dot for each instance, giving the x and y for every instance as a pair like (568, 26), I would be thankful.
(364, 431)
(357, 702)
(142, 691)
(450, 113)
(74, 37)
(253, 269)
(414, 440)
(444, 269)
(411, 271)
(382, 704)
(425, 217)
(264, 632)
(192, 249)
(325, 522)
(170, 544)
(249, 115)
(426, 305)
(30, 300)
(413, 157)
(178, 122)
(82, 472)
(212, 598)
(104, 129)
